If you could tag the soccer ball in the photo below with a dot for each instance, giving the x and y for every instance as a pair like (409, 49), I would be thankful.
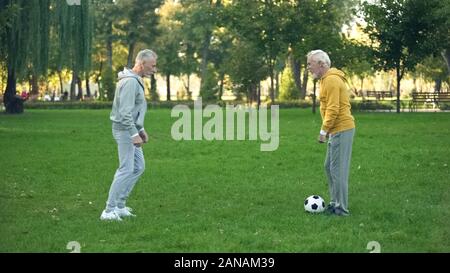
(314, 204)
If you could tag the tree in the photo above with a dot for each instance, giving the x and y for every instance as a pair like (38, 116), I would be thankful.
(263, 24)
(24, 45)
(199, 20)
(168, 43)
(358, 62)
(137, 23)
(403, 32)
(246, 68)
(74, 27)
(288, 90)
(433, 69)
(316, 25)
(106, 12)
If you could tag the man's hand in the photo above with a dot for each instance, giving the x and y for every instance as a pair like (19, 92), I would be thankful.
(144, 136)
(137, 141)
(322, 138)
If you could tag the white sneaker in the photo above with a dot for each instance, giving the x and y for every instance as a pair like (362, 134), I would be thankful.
(110, 216)
(124, 212)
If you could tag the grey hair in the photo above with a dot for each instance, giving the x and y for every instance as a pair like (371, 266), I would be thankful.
(145, 55)
(321, 57)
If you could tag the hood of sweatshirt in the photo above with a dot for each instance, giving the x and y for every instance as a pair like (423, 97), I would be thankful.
(336, 72)
(127, 73)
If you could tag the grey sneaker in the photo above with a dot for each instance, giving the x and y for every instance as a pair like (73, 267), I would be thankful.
(110, 216)
(329, 209)
(340, 212)
(124, 212)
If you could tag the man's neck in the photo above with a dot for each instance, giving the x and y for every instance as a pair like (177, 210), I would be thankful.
(324, 72)
(136, 71)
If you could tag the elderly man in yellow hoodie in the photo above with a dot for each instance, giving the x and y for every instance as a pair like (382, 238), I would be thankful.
(338, 126)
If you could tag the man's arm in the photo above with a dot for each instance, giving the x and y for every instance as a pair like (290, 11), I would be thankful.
(332, 108)
(127, 97)
(332, 105)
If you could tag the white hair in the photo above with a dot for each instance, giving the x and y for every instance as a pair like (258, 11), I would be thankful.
(320, 56)
(145, 54)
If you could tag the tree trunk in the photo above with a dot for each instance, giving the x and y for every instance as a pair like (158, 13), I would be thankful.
(446, 56)
(61, 86)
(272, 87)
(131, 47)
(34, 92)
(72, 85)
(109, 51)
(296, 67)
(189, 94)
(304, 85)
(80, 88)
(13, 103)
(222, 76)
(153, 87)
(205, 55)
(277, 84)
(362, 85)
(88, 88)
(258, 96)
(399, 78)
(168, 86)
(438, 85)
(97, 80)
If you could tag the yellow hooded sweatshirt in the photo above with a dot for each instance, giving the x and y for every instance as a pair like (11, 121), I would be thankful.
(335, 102)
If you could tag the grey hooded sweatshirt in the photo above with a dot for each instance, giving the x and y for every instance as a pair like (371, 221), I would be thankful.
(129, 106)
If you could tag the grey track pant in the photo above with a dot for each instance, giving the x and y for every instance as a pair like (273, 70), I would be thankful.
(131, 167)
(337, 167)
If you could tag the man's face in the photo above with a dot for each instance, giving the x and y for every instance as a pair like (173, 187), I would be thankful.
(314, 67)
(149, 67)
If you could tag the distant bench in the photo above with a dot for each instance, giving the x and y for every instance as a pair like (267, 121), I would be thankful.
(379, 95)
(427, 97)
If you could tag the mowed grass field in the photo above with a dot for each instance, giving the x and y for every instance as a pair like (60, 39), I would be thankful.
(56, 168)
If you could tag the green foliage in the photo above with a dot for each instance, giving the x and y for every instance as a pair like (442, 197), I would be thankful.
(246, 66)
(209, 88)
(24, 36)
(168, 43)
(432, 68)
(288, 89)
(359, 62)
(154, 96)
(108, 85)
(403, 32)
(74, 26)
(372, 105)
(199, 20)
(317, 25)
(444, 106)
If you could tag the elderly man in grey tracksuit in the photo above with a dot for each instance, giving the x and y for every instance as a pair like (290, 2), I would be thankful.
(127, 116)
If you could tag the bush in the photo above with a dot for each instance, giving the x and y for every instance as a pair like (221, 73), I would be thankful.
(293, 104)
(444, 106)
(372, 105)
(69, 105)
(288, 89)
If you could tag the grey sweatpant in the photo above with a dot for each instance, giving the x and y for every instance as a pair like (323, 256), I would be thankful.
(337, 167)
(131, 167)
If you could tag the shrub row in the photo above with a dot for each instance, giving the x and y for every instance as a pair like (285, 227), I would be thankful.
(356, 105)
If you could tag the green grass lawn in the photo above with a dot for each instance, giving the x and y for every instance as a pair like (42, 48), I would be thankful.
(56, 168)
